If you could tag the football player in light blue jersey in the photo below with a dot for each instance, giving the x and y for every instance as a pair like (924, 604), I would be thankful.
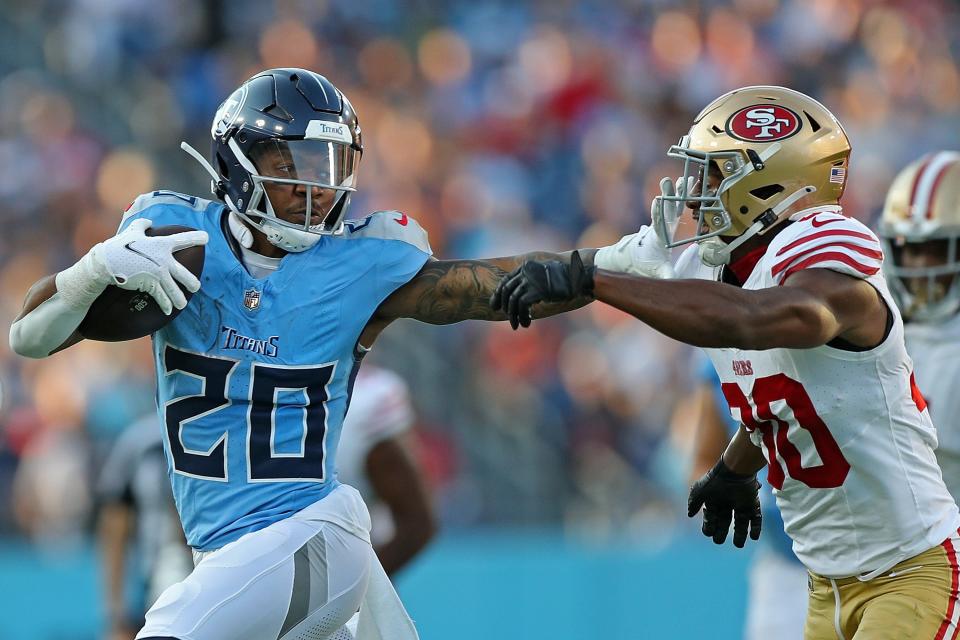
(255, 374)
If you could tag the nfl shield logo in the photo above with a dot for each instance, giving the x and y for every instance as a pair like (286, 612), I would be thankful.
(251, 299)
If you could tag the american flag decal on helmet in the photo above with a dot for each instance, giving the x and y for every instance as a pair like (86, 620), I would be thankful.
(838, 174)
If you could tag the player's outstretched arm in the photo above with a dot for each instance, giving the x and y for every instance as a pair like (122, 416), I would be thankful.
(448, 291)
(57, 304)
(816, 306)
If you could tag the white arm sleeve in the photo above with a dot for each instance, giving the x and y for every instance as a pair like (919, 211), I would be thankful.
(47, 327)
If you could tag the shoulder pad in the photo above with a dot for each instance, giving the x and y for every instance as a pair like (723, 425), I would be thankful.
(826, 240)
(146, 200)
(389, 225)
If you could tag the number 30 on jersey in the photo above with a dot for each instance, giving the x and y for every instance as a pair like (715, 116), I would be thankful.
(832, 470)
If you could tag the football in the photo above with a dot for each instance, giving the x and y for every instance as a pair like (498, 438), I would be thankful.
(120, 314)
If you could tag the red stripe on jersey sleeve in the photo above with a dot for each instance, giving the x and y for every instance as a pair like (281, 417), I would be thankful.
(876, 254)
(829, 233)
(829, 256)
(918, 398)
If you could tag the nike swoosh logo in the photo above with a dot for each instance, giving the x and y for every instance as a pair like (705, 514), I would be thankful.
(820, 223)
(402, 220)
(129, 247)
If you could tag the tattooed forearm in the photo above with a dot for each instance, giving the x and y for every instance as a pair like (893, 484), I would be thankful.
(454, 290)
(448, 291)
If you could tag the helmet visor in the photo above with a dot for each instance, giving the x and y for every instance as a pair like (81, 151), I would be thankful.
(329, 165)
(321, 174)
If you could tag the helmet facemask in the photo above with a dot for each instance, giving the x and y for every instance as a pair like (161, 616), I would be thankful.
(713, 218)
(323, 171)
(929, 289)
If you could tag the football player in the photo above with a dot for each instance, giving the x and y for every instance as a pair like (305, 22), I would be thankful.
(920, 227)
(376, 458)
(786, 295)
(255, 375)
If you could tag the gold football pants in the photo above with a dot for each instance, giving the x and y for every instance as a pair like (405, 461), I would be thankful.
(915, 599)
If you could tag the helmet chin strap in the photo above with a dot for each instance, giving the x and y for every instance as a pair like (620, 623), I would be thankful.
(240, 231)
(714, 252)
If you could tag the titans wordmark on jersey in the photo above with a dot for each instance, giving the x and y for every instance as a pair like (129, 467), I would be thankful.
(254, 376)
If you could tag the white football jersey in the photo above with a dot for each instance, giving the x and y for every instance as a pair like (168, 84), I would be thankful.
(935, 350)
(379, 409)
(846, 434)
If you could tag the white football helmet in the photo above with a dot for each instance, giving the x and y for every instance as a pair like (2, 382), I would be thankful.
(919, 227)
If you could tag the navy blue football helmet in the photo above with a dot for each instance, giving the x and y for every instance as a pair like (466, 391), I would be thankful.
(286, 126)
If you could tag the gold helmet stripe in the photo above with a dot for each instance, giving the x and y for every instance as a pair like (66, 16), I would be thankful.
(925, 183)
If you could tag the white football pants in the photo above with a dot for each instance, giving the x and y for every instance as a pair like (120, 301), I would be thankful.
(777, 604)
(301, 578)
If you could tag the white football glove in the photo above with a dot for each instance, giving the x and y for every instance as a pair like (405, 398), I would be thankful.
(135, 261)
(644, 253)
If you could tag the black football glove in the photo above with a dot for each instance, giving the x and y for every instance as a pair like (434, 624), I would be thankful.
(533, 282)
(723, 495)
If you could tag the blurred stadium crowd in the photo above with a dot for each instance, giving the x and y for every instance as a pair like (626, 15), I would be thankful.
(502, 127)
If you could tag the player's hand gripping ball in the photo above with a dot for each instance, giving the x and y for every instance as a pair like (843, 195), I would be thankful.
(124, 314)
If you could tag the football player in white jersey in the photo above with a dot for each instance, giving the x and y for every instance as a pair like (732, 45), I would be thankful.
(920, 227)
(375, 458)
(787, 297)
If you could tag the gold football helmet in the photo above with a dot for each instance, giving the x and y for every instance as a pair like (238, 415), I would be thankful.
(919, 227)
(771, 151)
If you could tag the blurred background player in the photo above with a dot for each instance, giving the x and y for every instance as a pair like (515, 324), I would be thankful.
(377, 457)
(920, 227)
(138, 522)
(141, 542)
(777, 597)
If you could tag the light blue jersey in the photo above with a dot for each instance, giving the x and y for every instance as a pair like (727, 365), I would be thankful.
(255, 375)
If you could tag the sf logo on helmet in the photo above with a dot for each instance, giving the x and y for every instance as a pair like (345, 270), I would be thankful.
(763, 123)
